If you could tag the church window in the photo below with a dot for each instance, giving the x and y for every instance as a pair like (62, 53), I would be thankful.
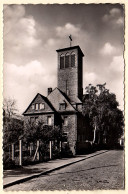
(65, 121)
(67, 60)
(49, 120)
(62, 61)
(73, 60)
(42, 106)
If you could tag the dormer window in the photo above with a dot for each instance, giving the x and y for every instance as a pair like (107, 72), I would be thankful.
(62, 106)
(62, 61)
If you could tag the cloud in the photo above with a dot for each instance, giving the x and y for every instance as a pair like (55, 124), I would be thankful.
(68, 29)
(109, 49)
(90, 78)
(20, 32)
(26, 81)
(14, 12)
(117, 64)
(114, 17)
(116, 77)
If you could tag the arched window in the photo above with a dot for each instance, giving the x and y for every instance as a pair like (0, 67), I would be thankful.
(62, 61)
(67, 60)
(72, 59)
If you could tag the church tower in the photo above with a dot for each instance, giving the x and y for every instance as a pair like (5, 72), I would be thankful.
(70, 71)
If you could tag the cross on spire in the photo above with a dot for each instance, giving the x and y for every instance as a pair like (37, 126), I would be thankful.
(70, 37)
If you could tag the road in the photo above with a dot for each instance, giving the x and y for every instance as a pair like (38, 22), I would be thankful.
(105, 171)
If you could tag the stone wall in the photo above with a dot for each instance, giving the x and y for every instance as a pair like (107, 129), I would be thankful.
(71, 130)
(43, 118)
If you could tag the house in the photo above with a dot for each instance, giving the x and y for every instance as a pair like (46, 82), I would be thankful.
(63, 105)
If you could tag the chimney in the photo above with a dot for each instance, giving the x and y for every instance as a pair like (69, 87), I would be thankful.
(49, 90)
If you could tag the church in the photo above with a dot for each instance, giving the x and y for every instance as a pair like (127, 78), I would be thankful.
(63, 105)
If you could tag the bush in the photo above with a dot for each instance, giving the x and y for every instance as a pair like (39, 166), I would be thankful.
(66, 152)
(7, 162)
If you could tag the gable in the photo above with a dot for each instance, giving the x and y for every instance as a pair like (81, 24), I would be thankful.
(39, 104)
(58, 100)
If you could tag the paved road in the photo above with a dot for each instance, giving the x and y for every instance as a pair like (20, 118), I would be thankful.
(104, 171)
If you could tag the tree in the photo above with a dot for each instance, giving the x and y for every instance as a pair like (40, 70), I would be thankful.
(34, 131)
(9, 107)
(105, 117)
(12, 126)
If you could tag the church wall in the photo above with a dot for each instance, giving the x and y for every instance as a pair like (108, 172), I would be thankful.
(71, 130)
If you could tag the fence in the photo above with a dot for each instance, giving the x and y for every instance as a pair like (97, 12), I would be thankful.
(23, 153)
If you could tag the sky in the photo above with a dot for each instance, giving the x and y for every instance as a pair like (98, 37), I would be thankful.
(33, 33)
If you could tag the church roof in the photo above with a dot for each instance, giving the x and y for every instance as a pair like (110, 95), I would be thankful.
(56, 97)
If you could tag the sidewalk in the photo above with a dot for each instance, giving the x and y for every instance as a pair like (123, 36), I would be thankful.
(19, 175)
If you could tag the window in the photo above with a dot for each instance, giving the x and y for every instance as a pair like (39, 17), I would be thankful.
(65, 121)
(36, 106)
(62, 106)
(67, 60)
(49, 120)
(36, 119)
(65, 136)
(33, 119)
(42, 106)
(73, 60)
(62, 61)
(33, 106)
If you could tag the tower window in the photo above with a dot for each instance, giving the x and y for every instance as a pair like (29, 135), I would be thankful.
(72, 60)
(66, 60)
(62, 62)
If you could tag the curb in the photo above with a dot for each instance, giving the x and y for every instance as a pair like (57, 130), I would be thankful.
(48, 171)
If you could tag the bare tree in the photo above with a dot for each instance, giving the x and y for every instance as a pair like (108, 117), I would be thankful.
(9, 107)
